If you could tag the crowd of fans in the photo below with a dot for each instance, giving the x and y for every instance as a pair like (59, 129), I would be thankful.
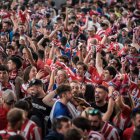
(70, 72)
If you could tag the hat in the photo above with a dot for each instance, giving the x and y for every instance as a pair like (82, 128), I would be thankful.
(8, 96)
(91, 28)
(106, 22)
(35, 82)
(126, 29)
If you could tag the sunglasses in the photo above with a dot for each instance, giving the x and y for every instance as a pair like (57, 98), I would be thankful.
(93, 112)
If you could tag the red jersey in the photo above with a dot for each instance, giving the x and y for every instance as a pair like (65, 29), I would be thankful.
(95, 77)
(40, 64)
(30, 131)
(109, 132)
(127, 134)
(124, 118)
(101, 32)
(3, 115)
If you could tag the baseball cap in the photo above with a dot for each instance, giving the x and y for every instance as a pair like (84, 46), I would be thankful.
(8, 96)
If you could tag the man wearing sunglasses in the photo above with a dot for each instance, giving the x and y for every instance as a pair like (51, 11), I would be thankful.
(97, 124)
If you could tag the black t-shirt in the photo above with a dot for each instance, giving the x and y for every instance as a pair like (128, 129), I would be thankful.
(103, 108)
(39, 114)
(39, 108)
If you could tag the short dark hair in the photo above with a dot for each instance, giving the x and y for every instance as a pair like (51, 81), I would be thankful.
(62, 89)
(75, 59)
(65, 58)
(136, 134)
(112, 71)
(83, 64)
(35, 82)
(82, 123)
(102, 87)
(73, 134)
(10, 47)
(22, 104)
(17, 61)
(4, 68)
(135, 112)
(57, 122)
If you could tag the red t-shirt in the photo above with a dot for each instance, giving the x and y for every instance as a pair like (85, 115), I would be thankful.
(127, 134)
(3, 120)
(40, 64)
(95, 77)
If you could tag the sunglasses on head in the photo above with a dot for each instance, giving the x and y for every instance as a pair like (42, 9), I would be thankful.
(93, 112)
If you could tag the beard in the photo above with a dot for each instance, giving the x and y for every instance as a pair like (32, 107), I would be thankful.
(96, 128)
(35, 94)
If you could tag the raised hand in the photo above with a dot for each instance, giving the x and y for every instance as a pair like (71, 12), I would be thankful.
(40, 74)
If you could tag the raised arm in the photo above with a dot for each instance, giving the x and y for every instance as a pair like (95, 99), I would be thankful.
(86, 60)
(52, 80)
(30, 57)
(48, 99)
(110, 107)
(99, 64)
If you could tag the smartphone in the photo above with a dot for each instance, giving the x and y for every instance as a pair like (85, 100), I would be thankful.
(115, 94)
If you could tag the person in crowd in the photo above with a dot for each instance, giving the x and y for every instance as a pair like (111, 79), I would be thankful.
(60, 126)
(4, 79)
(97, 124)
(29, 129)
(77, 57)
(15, 118)
(136, 134)
(127, 134)
(84, 125)
(40, 111)
(60, 107)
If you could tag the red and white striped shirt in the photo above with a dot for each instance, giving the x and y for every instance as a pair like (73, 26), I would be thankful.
(109, 132)
(31, 131)
(101, 33)
(93, 135)
(124, 118)
(135, 92)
